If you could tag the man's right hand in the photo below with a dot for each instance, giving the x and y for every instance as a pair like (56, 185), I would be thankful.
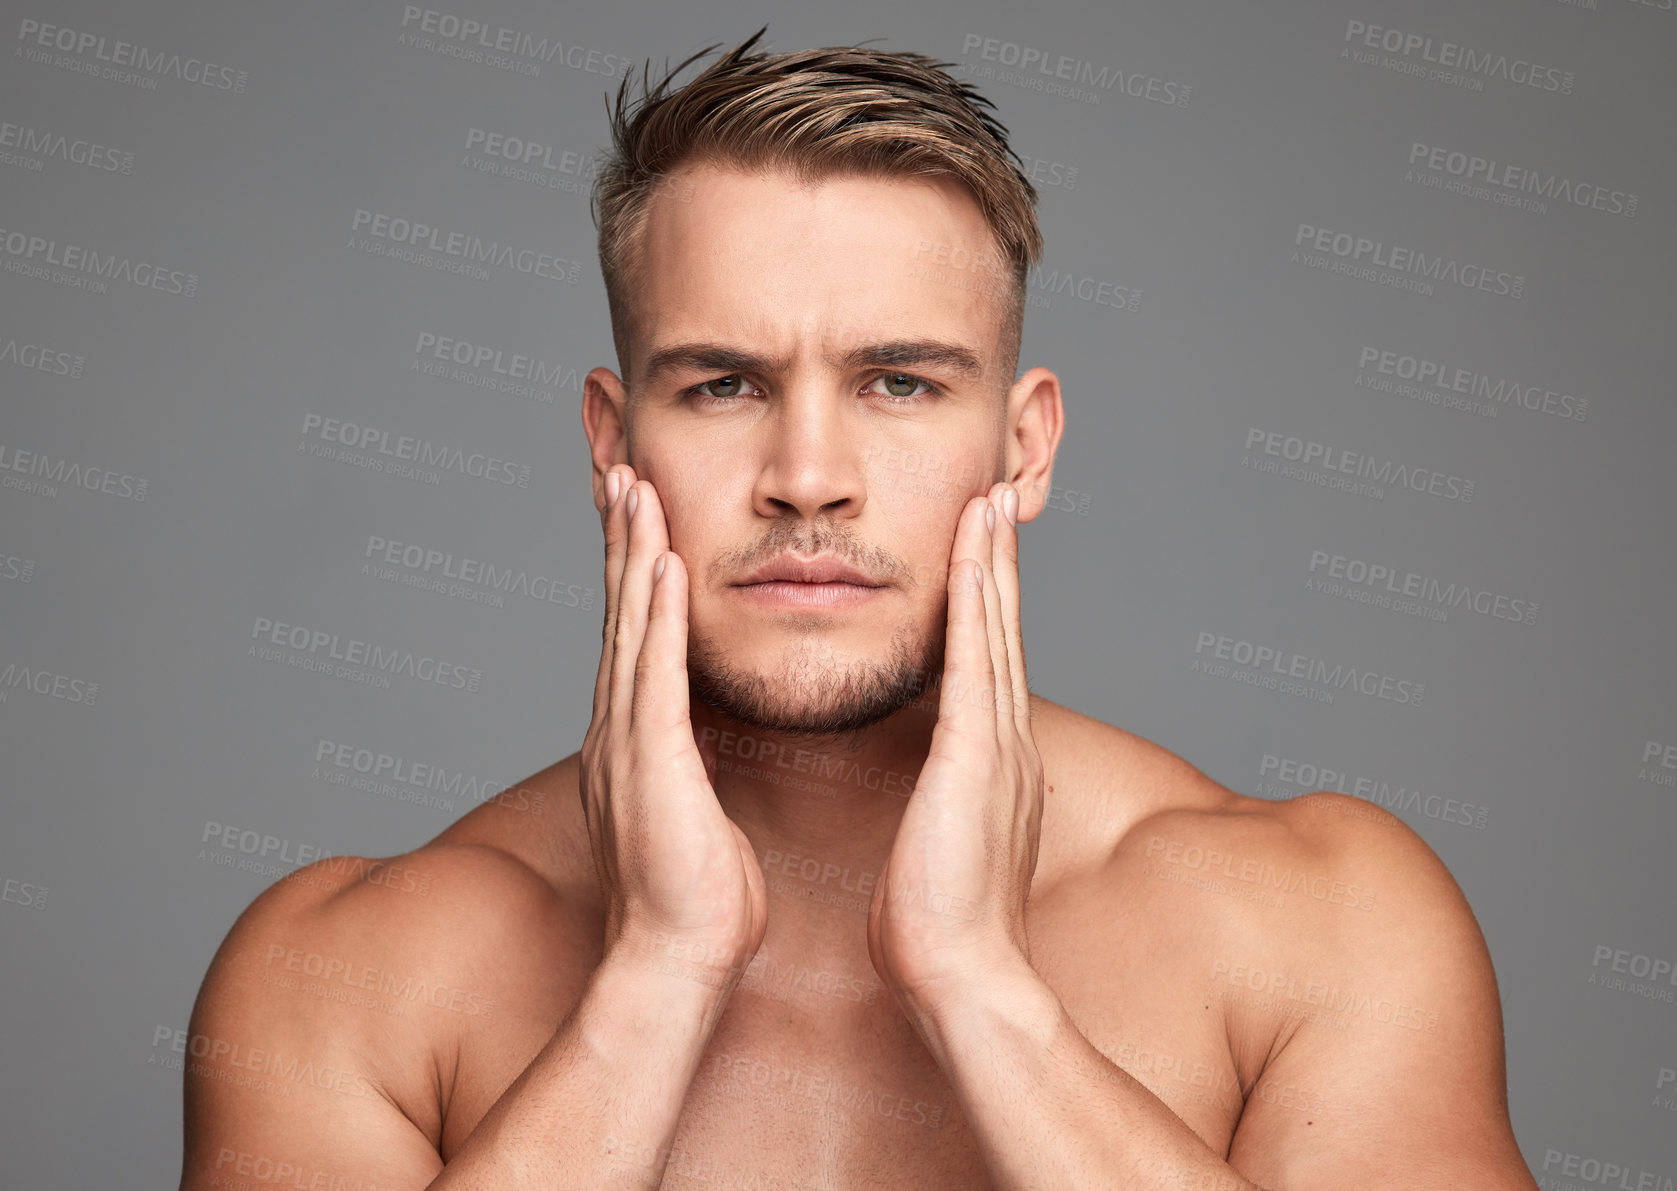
(596, 1105)
(679, 878)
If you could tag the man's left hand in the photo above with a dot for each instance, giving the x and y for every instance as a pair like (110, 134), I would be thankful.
(949, 911)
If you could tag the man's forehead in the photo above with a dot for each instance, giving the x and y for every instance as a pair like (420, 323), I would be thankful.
(801, 282)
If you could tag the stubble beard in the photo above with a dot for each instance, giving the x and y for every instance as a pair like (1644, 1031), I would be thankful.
(811, 695)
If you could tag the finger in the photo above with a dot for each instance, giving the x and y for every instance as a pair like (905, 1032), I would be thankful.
(648, 538)
(967, 668)
(1000, 689)
(615, 526)
(1004, 566)
(660, 702)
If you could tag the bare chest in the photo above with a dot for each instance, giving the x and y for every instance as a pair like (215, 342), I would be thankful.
(816, 1079)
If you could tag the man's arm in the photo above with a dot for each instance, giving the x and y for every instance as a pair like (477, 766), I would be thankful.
(1409, 1094)
(308, 1064)
(685, 909)
(1415, 1085)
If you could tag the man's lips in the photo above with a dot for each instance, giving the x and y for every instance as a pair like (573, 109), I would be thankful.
(788, 568)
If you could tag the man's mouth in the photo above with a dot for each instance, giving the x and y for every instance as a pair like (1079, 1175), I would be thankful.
(823, 581)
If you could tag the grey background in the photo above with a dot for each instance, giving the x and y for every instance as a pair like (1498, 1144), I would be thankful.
(1160, 530)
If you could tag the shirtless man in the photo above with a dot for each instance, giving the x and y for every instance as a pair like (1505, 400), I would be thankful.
(863, 912)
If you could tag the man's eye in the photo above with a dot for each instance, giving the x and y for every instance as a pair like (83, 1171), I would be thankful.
(902, 385)
(899, 385)
(733, 382)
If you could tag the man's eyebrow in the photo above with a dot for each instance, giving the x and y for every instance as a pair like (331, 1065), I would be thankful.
(914, 353)
(715, 358)
(721, 360)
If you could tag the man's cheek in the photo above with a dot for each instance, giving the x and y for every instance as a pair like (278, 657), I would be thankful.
(930, 575)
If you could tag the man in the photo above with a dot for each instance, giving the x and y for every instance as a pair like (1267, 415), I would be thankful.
(862, 911)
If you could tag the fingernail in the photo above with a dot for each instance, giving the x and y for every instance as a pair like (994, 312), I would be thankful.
(990, 517)
(658, 569)
(1010, 505)
(613, 483)
(634, 499)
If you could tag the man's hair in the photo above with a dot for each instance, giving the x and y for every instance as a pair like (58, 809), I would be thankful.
(816, 113)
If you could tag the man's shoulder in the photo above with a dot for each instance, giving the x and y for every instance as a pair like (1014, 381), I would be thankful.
(1344, 871)
(436, 914)
(374, 962)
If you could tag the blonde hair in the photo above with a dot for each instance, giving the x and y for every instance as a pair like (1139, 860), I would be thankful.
(816, 113)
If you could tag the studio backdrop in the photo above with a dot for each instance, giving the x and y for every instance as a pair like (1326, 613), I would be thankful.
(1364, 318)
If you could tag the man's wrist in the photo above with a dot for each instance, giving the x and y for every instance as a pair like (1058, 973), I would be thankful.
(1008, 997)
(641, 991)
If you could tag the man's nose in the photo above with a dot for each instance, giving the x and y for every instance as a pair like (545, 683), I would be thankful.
(814, 463)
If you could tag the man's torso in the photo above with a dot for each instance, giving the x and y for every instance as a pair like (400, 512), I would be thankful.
(1160, 901)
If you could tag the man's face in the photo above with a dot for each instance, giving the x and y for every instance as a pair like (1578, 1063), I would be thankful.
(793, 390)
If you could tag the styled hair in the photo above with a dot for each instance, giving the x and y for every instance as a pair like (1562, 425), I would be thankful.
(816, 113)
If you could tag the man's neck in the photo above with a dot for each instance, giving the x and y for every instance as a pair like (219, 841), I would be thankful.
(832, 802)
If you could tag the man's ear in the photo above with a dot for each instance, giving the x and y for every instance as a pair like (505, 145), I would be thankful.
(1036, 418)
(605, 401)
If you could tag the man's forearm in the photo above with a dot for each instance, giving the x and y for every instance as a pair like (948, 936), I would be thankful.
(1051, 1111)
(598, 1107)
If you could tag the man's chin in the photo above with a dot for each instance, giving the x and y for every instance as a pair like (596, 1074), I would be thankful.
(813, 698)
